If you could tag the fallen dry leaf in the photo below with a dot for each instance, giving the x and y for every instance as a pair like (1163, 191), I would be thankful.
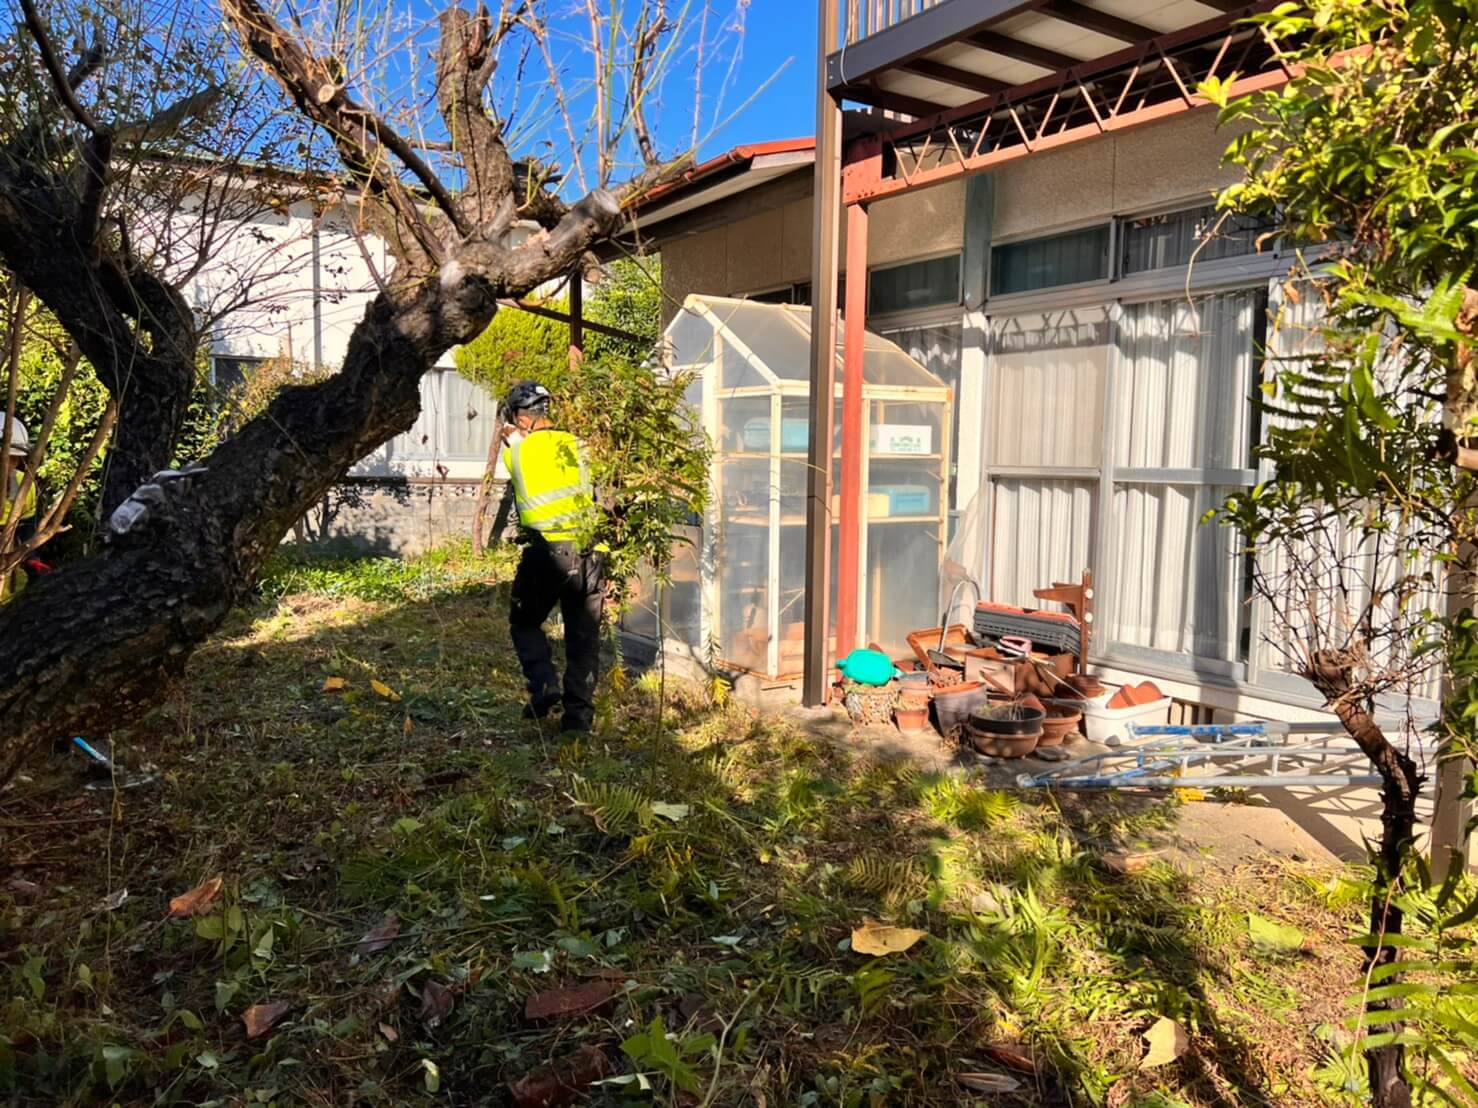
(187, 904)
(878, 938)
(984, 902)
(1122, 862)
(988, 1082)
(437, 1002)
(560, 1003)
(1167, 1041)
(384, 690)
(335, 684)
(261, 1018)
(391, 1035)
(1012, 1056)
(561, 1082)
(380, 937)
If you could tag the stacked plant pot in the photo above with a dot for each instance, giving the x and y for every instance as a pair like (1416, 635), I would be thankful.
(1007, 729)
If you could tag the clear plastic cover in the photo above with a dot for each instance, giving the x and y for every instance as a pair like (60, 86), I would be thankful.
(752, 565)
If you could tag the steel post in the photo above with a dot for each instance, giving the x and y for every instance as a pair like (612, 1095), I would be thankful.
(849, 572)
(826, 207)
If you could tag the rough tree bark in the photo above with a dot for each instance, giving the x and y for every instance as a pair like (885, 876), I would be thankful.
(1330, 672)
(95, 644)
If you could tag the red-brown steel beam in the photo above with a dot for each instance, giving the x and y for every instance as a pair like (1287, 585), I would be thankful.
(953, 75)
(857, 189)
(1092, 68)
(849, 539)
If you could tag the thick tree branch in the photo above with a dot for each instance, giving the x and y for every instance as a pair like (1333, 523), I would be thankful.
(361, 137)
(465, 61)
(88, 63)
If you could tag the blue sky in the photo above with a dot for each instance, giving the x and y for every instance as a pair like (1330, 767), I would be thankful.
(779, 42)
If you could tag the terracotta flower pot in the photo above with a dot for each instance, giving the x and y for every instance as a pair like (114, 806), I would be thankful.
(911, 718)
(1005, 746)
(1087, 685)
(1058, 724)
(1007, 730)
(952, 706)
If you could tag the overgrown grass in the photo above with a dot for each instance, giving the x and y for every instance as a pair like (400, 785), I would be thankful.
(709, 863)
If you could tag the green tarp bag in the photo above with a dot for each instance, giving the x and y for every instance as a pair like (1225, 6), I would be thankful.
(867, 667)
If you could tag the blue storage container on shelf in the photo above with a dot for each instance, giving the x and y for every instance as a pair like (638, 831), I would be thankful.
(905, 500)
(795, 435)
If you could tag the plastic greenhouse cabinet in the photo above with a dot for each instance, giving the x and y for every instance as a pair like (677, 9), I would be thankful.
(753, 391)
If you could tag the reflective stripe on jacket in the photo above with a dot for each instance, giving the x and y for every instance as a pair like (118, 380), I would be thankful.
(551, 486)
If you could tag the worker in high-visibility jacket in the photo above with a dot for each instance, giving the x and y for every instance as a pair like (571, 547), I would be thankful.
(20, 498)
(557, 514)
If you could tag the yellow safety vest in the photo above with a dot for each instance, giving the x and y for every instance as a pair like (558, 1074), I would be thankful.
(17, 578)
(551, 486)
(28, 507)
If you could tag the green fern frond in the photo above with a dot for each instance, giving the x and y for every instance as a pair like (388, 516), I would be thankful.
(614, 807)
(892, 879)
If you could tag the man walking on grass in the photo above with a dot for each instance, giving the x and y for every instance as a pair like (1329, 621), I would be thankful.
(556, 515)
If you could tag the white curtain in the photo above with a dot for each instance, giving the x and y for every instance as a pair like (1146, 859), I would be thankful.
(1330, 577)
(456, 421)
(1041, 532)
(1181, 409)
(1047, 372)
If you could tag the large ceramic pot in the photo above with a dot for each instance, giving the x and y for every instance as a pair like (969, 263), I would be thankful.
(1006, 730)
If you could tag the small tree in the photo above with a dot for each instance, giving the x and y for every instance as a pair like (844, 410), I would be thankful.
(1367, 157)
(647, 455)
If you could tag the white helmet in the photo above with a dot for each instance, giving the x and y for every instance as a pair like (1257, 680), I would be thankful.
(20, 442)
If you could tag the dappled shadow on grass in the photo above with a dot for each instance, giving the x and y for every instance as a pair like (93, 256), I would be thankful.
(708, 863)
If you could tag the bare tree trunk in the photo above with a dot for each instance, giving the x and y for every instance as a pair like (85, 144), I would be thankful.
(99, 641)
(150, 375)
(485, 488)
(1400, 786)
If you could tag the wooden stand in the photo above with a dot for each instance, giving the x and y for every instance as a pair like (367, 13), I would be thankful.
(1079, 601)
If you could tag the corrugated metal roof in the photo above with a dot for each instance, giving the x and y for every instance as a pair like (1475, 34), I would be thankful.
(931, 57)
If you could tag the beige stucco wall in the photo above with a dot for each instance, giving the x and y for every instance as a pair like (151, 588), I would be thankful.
(1161, 164)
(1118, 174)
(773, 248)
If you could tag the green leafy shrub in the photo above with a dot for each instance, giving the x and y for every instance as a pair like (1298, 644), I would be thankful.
(647, 455)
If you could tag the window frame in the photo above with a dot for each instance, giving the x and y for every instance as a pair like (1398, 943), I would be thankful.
(1257, 272)
(953, 306)
(1108, 222)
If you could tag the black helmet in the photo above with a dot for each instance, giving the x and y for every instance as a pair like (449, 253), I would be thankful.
(526, 396)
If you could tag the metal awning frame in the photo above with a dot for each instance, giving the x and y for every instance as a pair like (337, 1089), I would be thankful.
(1151, 81)
(856, 72)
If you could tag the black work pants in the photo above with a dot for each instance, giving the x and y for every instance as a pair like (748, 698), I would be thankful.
(551, 573)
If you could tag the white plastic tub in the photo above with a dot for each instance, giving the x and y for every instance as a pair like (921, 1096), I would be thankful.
(1110, 726)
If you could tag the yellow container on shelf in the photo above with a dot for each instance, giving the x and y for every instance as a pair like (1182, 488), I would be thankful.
(877, 505)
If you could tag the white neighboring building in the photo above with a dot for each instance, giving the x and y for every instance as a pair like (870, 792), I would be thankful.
(311, 277)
